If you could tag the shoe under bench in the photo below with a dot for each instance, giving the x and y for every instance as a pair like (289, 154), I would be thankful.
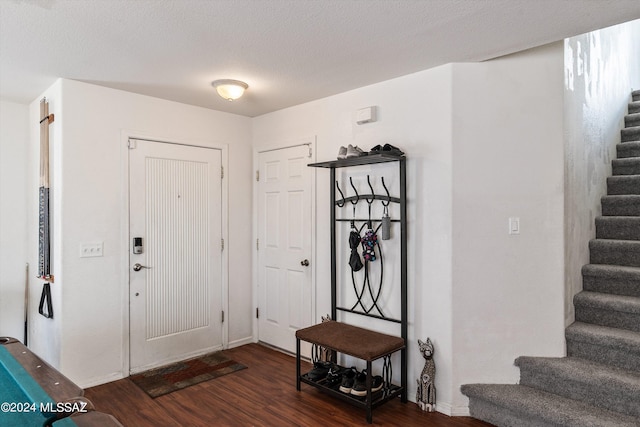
(364, 344)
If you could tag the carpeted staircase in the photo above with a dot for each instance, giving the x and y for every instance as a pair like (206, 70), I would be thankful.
(598, 383)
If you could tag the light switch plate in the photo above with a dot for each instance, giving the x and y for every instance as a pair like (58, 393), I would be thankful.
(514, 225)
(88, 250)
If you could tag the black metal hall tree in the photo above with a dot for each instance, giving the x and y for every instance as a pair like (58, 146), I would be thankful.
(338, 337)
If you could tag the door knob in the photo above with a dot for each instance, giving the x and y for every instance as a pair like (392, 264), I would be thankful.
(137, 266)
(304, 263)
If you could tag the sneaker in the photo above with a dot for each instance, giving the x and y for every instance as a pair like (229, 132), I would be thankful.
(348, 378)
(342, 153)
(390, 149)
(360, 384)
(319, 371)
(354, 151)
(376, 150)
(334, 376)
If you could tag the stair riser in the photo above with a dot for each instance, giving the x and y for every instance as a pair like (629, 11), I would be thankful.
(611, 285)
(618, 228)
(621, 185)
(600, 395)
(500, 416)
(635, 95)
(630, 134)
(632, 120)
(627, 150)
(626, 167)
(615, 253)
(621, 358)
(606, 317)
(620, 206)
(634, 107)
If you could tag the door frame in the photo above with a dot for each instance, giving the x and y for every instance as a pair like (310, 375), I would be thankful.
(125, 245)
(311, 142)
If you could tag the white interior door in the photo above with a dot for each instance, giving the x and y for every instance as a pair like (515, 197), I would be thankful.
(284, 245)
(175, 296)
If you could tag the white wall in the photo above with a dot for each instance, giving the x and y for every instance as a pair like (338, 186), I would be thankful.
(483, 142)
(89, 194)
(601, 70)
(14, 142)
(508, 161)
(414, 114)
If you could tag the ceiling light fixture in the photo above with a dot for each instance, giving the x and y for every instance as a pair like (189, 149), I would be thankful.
(230, 89)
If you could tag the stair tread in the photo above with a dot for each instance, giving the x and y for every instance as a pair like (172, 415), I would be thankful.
(606, 270)
(613, 242)
(620, 338)
(612, 302)
(616, 218)
(635, 198)
(624, 178)
(626, 160)
(574, 368)
(616, 241)
(546, 406)
(592, 382)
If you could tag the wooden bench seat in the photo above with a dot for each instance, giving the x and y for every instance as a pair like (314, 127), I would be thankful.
(352, 340)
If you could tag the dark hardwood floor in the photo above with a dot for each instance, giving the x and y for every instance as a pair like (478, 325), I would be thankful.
(262, 395)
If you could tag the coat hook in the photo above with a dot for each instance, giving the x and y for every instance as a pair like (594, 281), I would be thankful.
(341, 195)
(373, 196)
(354, 189)
(388, 195)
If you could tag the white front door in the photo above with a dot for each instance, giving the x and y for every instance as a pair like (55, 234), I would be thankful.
(284, 245)
(175, 195)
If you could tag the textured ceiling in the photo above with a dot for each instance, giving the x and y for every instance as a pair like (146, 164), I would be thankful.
(288, 51)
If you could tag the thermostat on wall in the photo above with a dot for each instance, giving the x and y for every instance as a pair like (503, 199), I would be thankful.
(366, 115)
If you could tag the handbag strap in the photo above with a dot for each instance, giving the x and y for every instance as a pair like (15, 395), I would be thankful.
(46, 298)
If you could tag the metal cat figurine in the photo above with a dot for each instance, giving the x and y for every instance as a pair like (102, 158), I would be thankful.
(426, 394)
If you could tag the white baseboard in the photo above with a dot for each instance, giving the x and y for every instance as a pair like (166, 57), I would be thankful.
(243, 341)
(101, 380)
(452, 411)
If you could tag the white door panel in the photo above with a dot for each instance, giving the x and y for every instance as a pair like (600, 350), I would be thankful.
(284, 232)
(176, 298)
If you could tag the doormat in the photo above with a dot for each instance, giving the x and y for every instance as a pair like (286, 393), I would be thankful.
(179, 375)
